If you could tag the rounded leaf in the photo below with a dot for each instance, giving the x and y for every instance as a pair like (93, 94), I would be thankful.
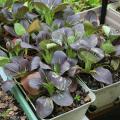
(44, 107)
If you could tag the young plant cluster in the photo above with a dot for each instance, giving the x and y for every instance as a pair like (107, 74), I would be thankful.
(46, 47)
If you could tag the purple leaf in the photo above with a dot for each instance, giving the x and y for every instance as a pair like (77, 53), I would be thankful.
(35, 63)
(31, 16)
(35, 83)
(44, 66)
(16, 6)
(3, 54)
(25, 38)
(10, 30)
(44, 107)
(102, 75)
(74, 19)
(92, 17)
(92, 40)
(59, 57)
(80, 44)
(58, 36)
(58, 23)
(28, 46)
(73, 86)
(79, 30)
(23, 63)
(60, 82)
(8, 85)
(43, 35)
(12, 69)
(63, 98)
(68, 12)
(74, 70)
(25, 24)
(65, 67)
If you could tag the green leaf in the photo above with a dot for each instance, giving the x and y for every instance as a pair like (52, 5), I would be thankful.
(106, 30)
(108, 48)
(3, 61)
(19, 29)
(89, 28)
(115, 64)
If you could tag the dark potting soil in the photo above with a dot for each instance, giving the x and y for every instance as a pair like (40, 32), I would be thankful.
(94, 85)
(118, 9)
(9, 108)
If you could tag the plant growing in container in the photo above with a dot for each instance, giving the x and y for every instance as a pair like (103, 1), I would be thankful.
(36, 52)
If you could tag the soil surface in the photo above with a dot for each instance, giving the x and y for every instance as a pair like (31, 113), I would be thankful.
(9, 108)
(94, 85)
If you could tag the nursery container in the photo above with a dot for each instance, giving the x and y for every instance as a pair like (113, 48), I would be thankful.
(77, 113)
(114, 6)
(29, 109)
(107, 95)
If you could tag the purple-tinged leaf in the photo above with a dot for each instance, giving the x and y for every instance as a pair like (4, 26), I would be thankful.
(21, 12)
(58, 23)
(63, 98)
(73, 86)
(28, 46)
(68, 12)
(74, 70)
(92, 40)
(35, 63)
(3, 54)
(25, 38)
(31, 16)
(79, 30)
(117, 50)
(44, 66)
(25, 24)
(23, 63)
(10, 30)
(16, 6)
(68, 32)
(32, 83)
(102, 75)
(35, 83)
(59, 57)
(8, 85)
(43, 35)
(72, 62)
(44, 106)
(12, 69)
(73, 19)
(65, 67)
(80, 44)
(45, 27)
(58, 36)
(98, 53)
(93, 18)
(60, 83)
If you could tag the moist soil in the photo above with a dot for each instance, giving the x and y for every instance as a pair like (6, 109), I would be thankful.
(118, 9)
(94, 85)
(9, 108)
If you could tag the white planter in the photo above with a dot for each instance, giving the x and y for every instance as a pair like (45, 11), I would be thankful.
(114, 6)
(77, 113)
(107, 95)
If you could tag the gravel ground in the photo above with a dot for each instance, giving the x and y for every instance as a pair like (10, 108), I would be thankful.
(9, 108)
